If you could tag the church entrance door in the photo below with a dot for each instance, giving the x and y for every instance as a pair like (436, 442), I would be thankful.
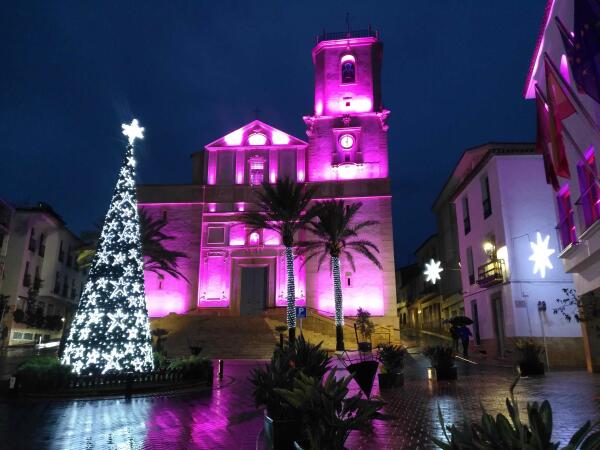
(253, 290)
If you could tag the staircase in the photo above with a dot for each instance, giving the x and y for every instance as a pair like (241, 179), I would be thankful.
(252, 337)
(320, 327)
(245, 337)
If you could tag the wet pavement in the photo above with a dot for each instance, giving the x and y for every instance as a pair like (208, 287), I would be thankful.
(225, 417)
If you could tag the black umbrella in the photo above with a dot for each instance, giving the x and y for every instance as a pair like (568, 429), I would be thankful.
(460, 321)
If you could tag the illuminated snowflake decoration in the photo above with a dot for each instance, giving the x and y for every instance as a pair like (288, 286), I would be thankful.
(433, 270)
(541, 255)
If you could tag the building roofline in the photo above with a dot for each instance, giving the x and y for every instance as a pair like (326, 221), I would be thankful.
(491, 153)
(537, 53)
(490, 144)
(424, 243)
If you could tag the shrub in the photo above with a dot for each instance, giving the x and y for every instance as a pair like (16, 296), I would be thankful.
(327, 413)
(192, 367)
(391, 358)
(286, 363)
(501, 434)
(440, 357)
(364, 323)
(160, 361)
(42, 373)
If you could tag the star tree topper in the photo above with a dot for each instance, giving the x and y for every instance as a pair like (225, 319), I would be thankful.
(433, 270)
(133, 131)
(541, 255)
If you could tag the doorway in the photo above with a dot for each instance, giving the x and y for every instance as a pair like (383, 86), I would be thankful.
(498, 315)
(253, 290)
(475, 316)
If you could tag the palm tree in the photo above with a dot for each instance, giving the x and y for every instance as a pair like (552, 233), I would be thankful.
(157, 258)
(336, 235)
(282, 208)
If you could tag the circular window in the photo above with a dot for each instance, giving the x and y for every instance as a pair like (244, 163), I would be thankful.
(347, 141)
(257, 139)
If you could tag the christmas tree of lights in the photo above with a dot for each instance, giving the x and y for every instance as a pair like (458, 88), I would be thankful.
(110, 332)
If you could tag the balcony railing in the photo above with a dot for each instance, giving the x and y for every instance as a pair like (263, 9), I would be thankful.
(567, 233)
(490, 273)
(588, 205)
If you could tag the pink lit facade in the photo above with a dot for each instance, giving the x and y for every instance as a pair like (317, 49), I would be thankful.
(233, 271)
(577, 198)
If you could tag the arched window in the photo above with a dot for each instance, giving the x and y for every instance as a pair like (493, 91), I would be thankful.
(348, 68)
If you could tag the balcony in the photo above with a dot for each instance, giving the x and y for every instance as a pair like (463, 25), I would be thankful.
(567, 234)
(588, 206)
(490, 273)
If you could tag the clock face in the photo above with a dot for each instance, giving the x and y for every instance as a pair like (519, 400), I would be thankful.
(347, 141)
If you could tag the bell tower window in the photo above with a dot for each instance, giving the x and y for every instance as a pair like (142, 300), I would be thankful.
(348, 69)
(257, 169)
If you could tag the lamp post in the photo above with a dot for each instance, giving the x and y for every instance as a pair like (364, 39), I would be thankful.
(541, 310)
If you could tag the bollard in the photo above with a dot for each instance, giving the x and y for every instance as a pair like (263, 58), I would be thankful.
(220, 369)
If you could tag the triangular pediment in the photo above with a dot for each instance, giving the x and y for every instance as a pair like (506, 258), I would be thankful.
(256, 134)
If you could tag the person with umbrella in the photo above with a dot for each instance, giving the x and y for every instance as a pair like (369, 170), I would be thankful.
(460, 323)
(465, 335)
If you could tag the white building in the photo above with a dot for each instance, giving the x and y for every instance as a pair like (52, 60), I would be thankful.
(502, 199)
(39, 251)
(577, 120)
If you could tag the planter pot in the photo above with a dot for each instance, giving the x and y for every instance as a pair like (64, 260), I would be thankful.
(532, 369)
(302, 445)
(390, 380)
(281, 434)
(446, 373)
(364, 346)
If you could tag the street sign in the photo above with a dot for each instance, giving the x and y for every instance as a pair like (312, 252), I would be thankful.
(301, 312)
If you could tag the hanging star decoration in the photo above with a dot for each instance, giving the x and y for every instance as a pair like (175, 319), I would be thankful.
(541, 255)
(433, 270)
(133, 131)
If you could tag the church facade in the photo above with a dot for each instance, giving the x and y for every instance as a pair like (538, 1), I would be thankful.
(232, 270)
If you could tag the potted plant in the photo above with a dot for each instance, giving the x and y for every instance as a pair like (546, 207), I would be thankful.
(391, 358)
(442, 361)
(529, 361)
(160, 335)
(512, 432)
(365, 326)
(327, 414)
(282, 423)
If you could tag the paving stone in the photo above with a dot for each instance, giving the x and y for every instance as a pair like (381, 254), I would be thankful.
(225, 417)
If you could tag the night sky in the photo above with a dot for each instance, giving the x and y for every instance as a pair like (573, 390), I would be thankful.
(72, 72)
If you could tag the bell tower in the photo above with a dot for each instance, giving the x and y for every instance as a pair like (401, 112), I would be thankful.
(347, 130)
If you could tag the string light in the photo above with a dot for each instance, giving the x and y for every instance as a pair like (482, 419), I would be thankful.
(337, 289)
(291, 288)
(111, 331)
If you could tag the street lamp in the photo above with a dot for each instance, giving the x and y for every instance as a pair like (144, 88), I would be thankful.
(489, 249)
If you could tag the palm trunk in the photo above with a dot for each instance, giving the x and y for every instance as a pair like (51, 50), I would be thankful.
(339, 310)
(291, 295)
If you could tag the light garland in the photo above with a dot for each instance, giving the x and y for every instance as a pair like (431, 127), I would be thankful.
(111, 332)
(337, 291)
(291, 288)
